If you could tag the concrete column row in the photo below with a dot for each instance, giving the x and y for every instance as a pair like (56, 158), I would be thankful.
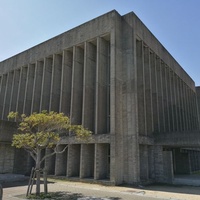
(76, 82)
(81, 160)
(165, 102)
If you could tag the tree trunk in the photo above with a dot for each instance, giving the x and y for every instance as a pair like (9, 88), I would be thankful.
(45, 181)
(37, 168)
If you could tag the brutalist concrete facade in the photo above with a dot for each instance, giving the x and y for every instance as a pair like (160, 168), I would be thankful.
(114, 77)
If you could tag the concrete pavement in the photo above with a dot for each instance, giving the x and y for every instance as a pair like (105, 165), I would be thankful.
(84, 191)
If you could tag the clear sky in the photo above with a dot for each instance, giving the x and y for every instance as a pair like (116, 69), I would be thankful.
(175, 23)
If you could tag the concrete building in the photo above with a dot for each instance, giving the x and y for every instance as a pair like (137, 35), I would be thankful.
(113, 76)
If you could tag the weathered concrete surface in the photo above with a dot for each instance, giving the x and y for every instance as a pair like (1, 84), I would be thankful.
(7, 129)
(115, 78)
(179, 139)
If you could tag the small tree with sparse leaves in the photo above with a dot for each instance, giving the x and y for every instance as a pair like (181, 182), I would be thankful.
(44, 130)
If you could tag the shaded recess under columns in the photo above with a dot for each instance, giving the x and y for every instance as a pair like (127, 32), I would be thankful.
(87, 161)
(61, 162)
(73, 163)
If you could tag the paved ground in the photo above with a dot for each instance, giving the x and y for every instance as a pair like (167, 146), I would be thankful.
(84, 191)
(191, 179)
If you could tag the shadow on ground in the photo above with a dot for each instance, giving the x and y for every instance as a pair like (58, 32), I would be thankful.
(167, 188)
(9, 184)
(69, 196)
(14, 183)
(175, 189)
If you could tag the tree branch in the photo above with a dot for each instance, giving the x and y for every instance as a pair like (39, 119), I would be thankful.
(60, 151)
(46, 156)
(54, 152)
(32, 154)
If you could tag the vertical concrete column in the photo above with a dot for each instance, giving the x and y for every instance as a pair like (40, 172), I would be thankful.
(88, 114)
(66, 82)
(181, 105)
(15, 89)
(171, 99)
(126, 148)
(22, 87)
(188, 108)
(185, 103)
(174, 97)
(197, 113)
(148, 91)
(158, 156)
(11, 91)
(46, 83)
(61, 162)
(185, 121)
(168, 172)
(50, 162)
(73, 162)
(2, 91)
(35, 107)
(191, 109)
(19, 89)
(198, 99)
(165, 96)
(160, 94)
(56, 83)
(87, 161)
(115, 134)
(29, 89)
(198, 118)
(196, 121)
(194, 110)
(77, 86)
(102, 104)
(162, 79)
(180, 119)
(176, 93)
(7, 98)
(151, 163)
(1, 81)
(101, 167)
(142, 125)
(144, 164)
(156, 119)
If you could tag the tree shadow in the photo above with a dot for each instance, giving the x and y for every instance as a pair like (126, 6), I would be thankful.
(62, 195)
(8, 184)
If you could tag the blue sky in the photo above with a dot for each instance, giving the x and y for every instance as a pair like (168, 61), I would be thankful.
(176, 24)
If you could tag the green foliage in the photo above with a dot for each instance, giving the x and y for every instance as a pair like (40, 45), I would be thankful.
(42, 130)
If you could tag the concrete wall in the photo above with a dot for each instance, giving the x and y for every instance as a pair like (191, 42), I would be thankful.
(114, 77)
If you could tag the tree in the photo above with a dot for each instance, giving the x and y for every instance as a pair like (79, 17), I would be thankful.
(44, 130)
